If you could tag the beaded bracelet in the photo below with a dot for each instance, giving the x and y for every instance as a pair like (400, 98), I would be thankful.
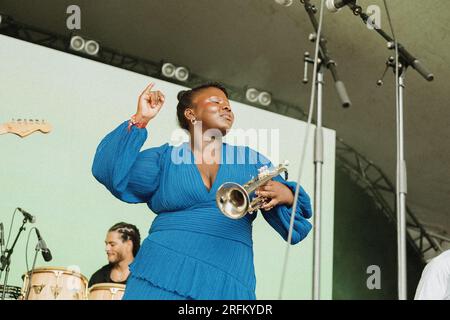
(133, 122)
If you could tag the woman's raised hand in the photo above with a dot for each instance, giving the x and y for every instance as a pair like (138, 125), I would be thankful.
(149, 104)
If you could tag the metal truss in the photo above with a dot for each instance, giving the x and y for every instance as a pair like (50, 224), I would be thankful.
(375, 183)
(362, 171)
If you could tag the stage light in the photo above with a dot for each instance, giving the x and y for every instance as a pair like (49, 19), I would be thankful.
(182, 73)
(252, 95)
(179, 73)
(168, 70)
(91, 47)
(82, 45)
(77, 43)
(264, 98)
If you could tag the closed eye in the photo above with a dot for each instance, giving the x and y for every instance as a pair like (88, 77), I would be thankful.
(215, 100)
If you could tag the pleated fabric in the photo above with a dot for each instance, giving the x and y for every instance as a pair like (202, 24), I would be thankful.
(144, 290)
(192, 251)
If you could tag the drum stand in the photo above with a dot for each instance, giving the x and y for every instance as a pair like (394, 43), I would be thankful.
(6, 259)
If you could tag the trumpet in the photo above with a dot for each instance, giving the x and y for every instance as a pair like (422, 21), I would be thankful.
(234, 200)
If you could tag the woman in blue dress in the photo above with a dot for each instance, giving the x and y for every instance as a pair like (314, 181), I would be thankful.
(193, 251)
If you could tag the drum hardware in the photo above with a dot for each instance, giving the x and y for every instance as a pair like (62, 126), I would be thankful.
(37, 288)
(12, 292)
(56, 290)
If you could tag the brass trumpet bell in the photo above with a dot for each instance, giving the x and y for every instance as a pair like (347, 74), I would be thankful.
(235, 201)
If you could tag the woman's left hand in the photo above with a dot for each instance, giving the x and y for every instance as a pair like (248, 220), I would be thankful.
(277, 193)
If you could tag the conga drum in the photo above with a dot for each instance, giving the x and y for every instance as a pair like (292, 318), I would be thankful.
(106, 291)
(54, 283)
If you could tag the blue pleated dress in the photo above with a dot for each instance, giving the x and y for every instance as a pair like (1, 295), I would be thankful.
(192, 250)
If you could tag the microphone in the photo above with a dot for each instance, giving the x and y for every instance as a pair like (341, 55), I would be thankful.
(27, 216)
(285, 3)
(335, 5)
(46, 254)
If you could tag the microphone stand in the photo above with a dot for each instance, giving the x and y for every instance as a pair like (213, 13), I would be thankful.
(6, 260)
(405, 60)
(324, 62)
(38, 248)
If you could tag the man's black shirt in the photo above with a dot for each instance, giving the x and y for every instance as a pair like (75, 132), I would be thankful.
(103, 275)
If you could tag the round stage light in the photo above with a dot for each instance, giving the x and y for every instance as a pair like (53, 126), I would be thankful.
(168, 70)
(264, 98)
(92, 47)
(252, 95)
(77, 43)
(181, 73)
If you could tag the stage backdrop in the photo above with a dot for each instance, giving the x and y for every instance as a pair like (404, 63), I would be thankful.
(50, 174)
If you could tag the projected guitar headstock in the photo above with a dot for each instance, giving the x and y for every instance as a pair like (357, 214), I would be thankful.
(25, 127)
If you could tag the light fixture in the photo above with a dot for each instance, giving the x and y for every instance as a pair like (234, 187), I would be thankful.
(182, 73)
(77, 43)
(87, 46)
(252, 95)
(91, 47)
(263, 98)
(169, 70)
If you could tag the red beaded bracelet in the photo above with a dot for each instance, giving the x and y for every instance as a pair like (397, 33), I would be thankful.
(133, 122)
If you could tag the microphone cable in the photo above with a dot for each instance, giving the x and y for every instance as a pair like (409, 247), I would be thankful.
(303, 152)
(26, 248)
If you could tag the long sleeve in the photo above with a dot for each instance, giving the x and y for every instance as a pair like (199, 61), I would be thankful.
(434, 283)
(279, 217)
(130, 175)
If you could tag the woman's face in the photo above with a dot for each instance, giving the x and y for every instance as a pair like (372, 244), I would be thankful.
(212, 107)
